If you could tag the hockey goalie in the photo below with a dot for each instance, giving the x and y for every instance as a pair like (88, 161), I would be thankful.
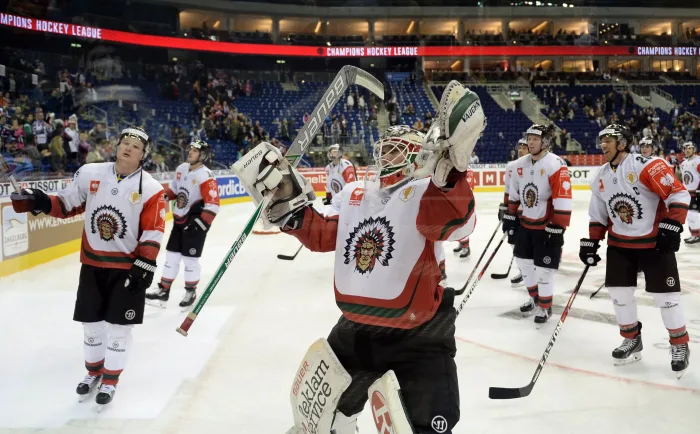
(395, 341)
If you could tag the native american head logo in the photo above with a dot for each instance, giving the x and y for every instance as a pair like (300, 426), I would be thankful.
(108, 222)
(530, 195)
(625, 207)
(687, 178)
(370, 242)
(183, 198)
(335, 186)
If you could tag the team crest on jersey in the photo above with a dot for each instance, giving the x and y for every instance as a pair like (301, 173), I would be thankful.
(370, 242)
(625, 207)
(108, 222)
(407, 193)
(134, 197)
(183, 198)
(335, 186)
(687, 178)
(631, 178)
(531, 195)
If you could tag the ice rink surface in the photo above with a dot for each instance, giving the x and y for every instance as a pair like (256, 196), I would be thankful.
(234, 371)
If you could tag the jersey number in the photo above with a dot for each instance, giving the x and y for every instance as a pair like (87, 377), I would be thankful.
(642, 159)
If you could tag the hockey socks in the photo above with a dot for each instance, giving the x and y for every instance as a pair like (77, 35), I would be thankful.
(170, 270)
(193, 271)
(117, 350)
(93, 346)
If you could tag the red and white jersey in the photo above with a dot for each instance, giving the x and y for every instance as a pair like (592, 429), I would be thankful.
(337, 175)
(630, 201)
(386, 272)
(120, 223)
(691, 174)
(543, 187)
(196, 191)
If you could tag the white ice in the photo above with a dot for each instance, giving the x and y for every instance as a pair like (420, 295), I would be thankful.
(233, 373)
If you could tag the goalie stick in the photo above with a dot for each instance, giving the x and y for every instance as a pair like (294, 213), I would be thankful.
(290, 257)
(503, 276)
(481, 274)
(348, 75)
(461, 290)
(521, 392)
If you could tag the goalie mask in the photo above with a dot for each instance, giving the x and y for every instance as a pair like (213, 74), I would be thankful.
(140, 135)
(205, 151)
(334, 152)
(395, 154)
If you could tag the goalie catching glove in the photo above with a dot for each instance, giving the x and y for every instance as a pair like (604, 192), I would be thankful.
(451, 139)
(264, 171)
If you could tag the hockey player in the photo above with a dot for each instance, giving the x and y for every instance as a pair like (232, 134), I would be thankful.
(395, 315)
(648, 147)
(691, 180)
(463, 245)
(196, 195)
(642, 206)
(522, 151)
(124, 222)
(541, 183)
(339, 172)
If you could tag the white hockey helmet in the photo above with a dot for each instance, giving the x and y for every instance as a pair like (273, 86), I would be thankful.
(334, 152)
(689, 145)
(141, 135)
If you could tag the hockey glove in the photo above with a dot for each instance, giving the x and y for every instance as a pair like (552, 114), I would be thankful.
(668, 238)
(196, 224)
(554, 238)
(31, 200)
(140, 276)
(502, 209)
(588, 252)
(327, 200)
(510, 223)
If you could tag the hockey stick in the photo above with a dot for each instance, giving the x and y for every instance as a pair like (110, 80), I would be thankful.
(288, 257)
(597, 290)
(481, 274)
(521, 392)
(5, 171)
(503, 276)
(461, 290)
(348, 75)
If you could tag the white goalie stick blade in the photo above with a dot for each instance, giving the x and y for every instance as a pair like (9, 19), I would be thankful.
(388, 411)
(316, 390)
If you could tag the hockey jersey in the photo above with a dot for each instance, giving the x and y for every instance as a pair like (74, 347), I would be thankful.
(120, 223)
(337, 175)
(194, 191)
(691, 174)
(630, 201)
(386, 272)
(543, 188)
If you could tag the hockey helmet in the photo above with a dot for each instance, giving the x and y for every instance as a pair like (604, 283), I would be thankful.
(395, 154)
(522, 142)
(141, 135)
(650, 142)
(619, 132)
(545, 132)
(689, 145)
(205, 151)
(334, 152)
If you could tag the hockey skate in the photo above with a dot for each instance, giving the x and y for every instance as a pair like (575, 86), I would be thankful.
(105, 396)
(457, 249)
(542, 315)
(529, 306)
(680, 359)
(87, 386)
(517, 281)
(189, 298)
(158, 298)
(692, 240)
(465, 253)
(630, 351)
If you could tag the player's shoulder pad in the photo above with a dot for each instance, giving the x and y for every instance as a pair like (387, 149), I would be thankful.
(639, 162)
(554, 162)
(150, 185)
(345, 162)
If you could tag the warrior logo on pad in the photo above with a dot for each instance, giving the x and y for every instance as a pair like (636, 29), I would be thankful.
(371, 241)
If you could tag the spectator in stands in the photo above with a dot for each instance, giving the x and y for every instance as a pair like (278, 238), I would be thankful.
(284, 129)
(56, 150)
(41, 130)
(361, 102)
(72, 139)
(350, 102)
(474, 159)
(17, 132)
(418, 125)
(16, 159)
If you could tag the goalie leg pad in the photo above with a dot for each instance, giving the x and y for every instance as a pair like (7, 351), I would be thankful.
(317, 387)
(387, 406)
(344, 424)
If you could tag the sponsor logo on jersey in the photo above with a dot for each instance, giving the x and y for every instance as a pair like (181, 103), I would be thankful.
(213, 193)
(631, 178)
(601, 186)
(625, 207)
(183, 198)
(94, 186)
(407, 193)
(335, 186)
(109, 222)
(356, 196)
(370, 242)
(179, 175)
(531, 195)
(134, 197)
(520, 171)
